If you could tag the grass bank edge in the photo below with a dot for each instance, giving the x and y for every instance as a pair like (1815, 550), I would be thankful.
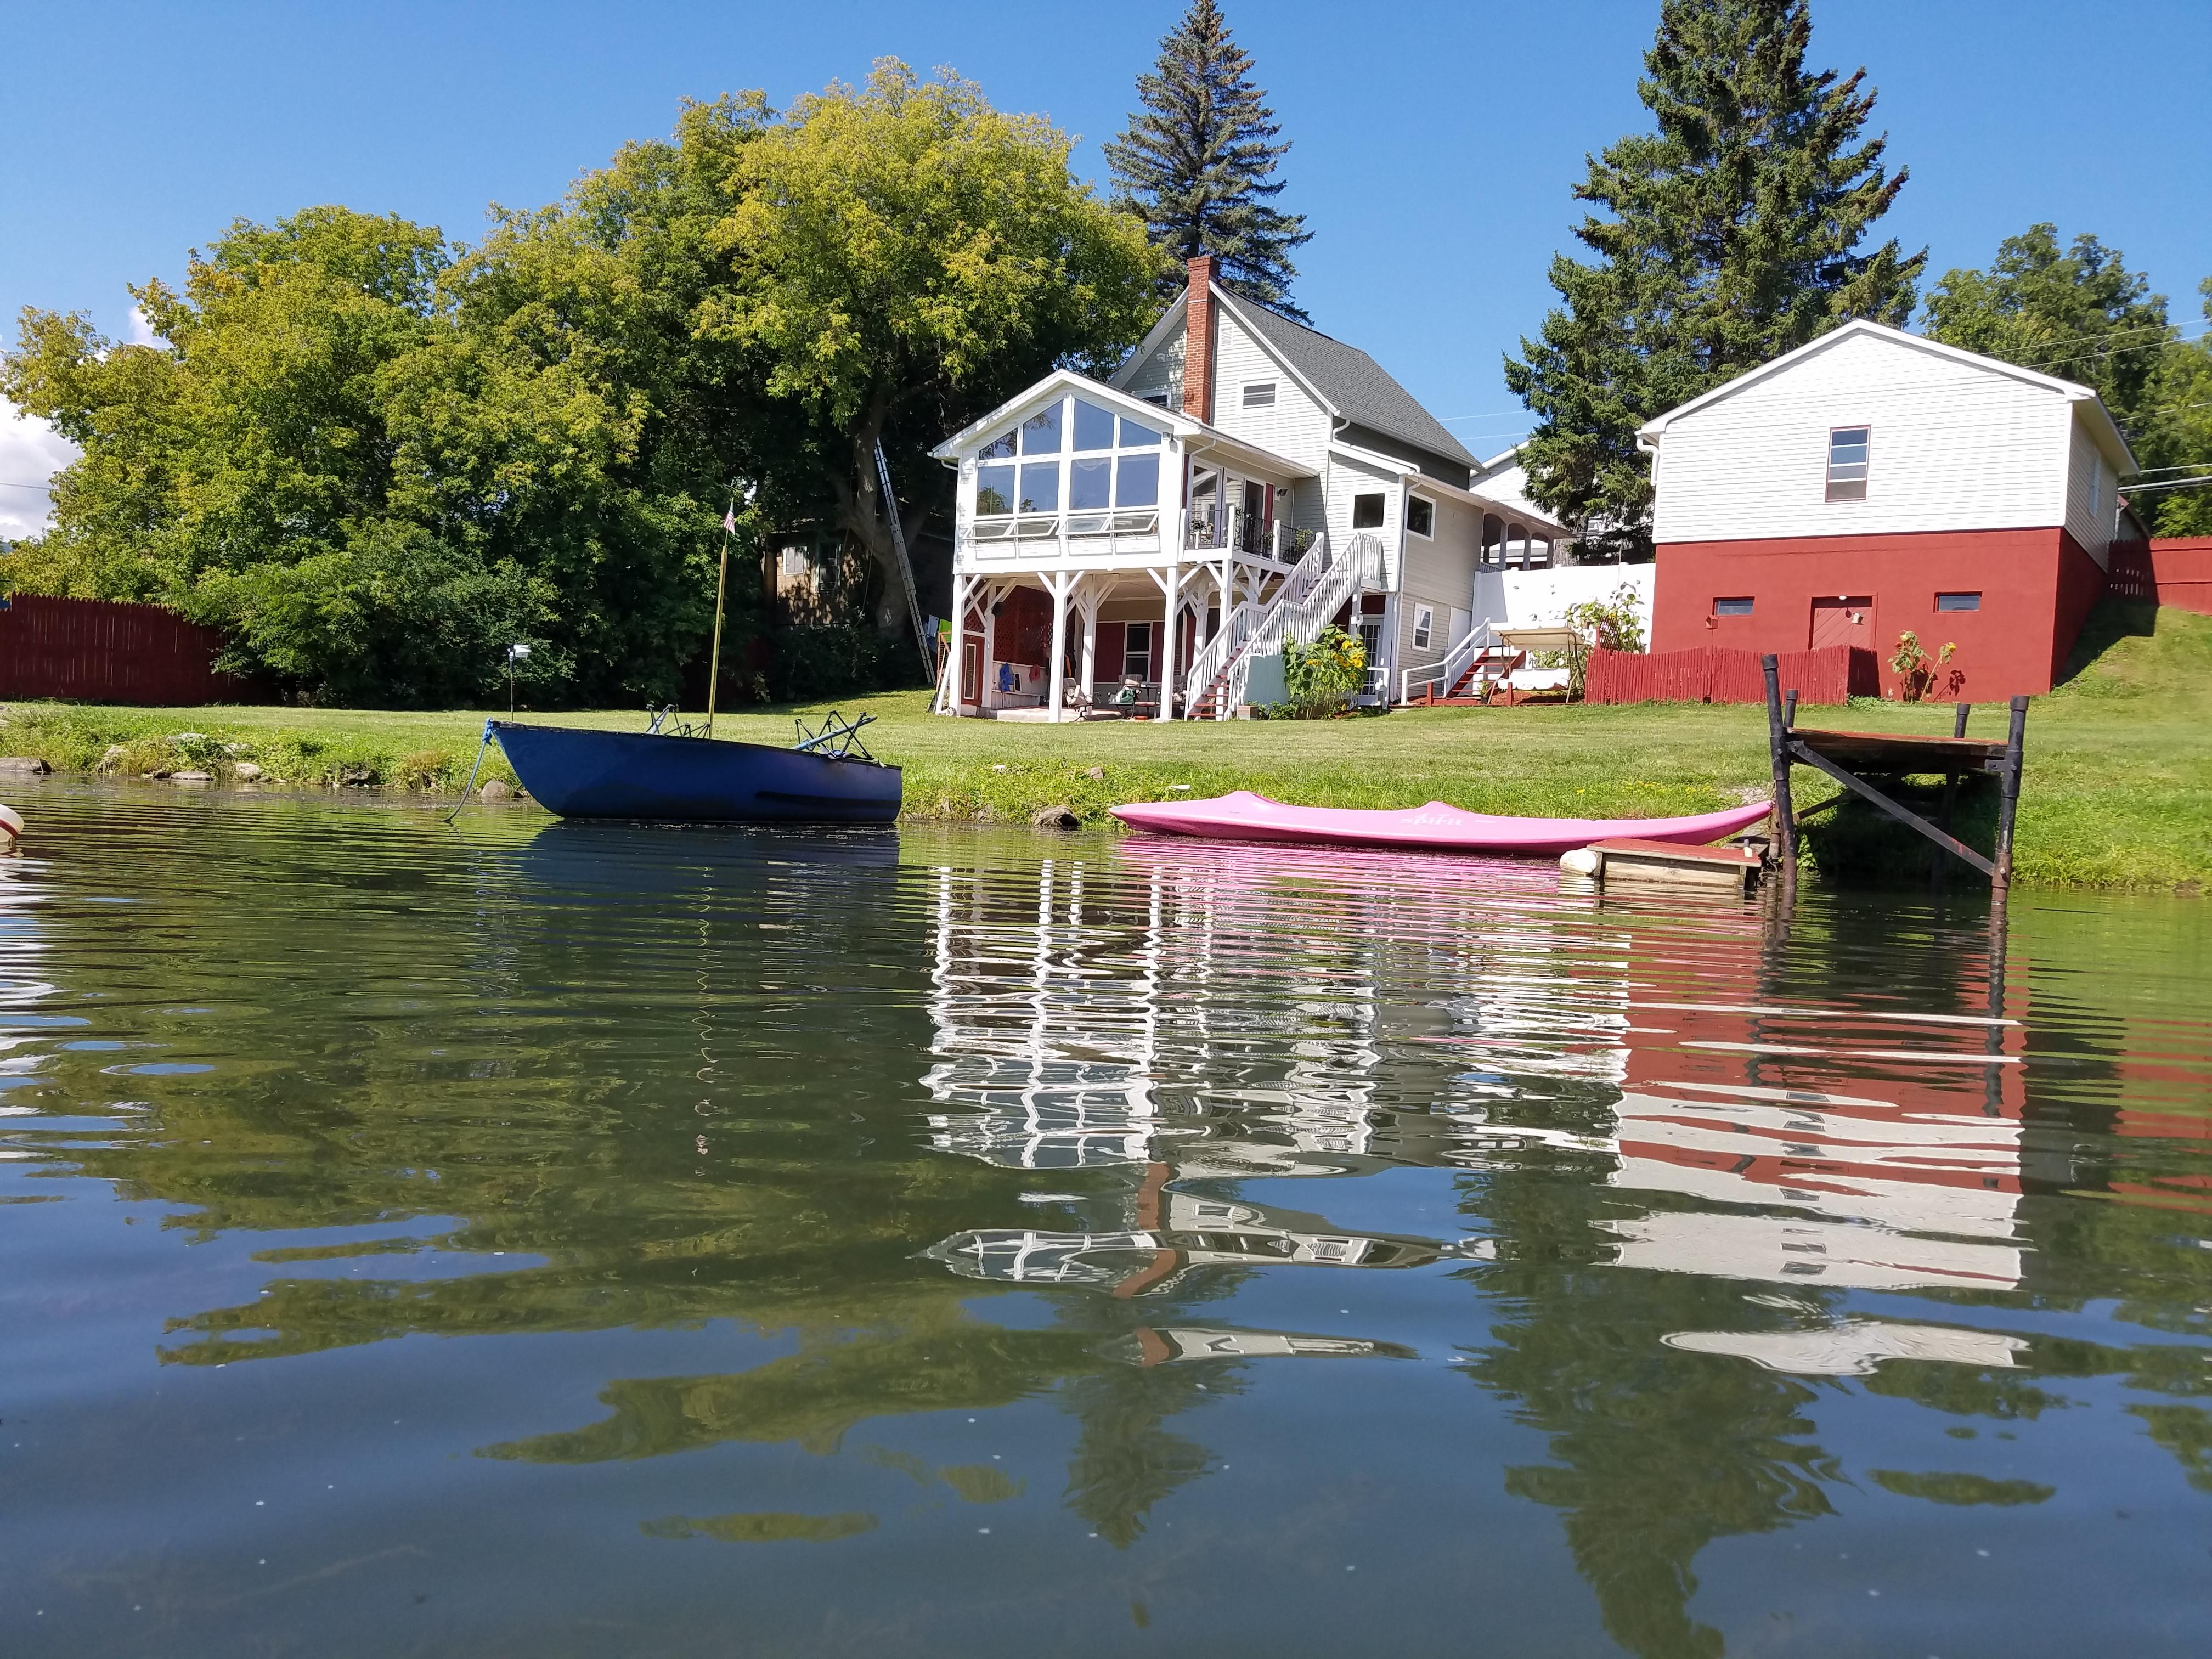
(2119, 791)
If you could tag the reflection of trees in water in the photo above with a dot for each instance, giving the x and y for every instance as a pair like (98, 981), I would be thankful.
(667, 1114)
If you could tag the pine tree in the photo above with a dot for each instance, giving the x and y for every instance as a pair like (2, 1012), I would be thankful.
(1732, 238)
(1198, 166)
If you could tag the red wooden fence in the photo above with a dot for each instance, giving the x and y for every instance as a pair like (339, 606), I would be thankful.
(2181, 572)
(2128, 576)
(1713, 675)
(95, 652)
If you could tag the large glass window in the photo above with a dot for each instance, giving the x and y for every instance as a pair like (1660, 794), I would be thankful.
(1039, 487)
(1367, 511)
(1094, 426)
(1041, 432)
(1847, 463)
(1421, 516)
(1091, 479)
(1089, 484)
(1139, 482)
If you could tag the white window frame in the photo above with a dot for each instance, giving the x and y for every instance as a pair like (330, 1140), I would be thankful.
(1424, 626)
(1248, 401)
(1828, 478)
(1382, 496)
(1149, 630)
(1430, 534)
(1132, 520)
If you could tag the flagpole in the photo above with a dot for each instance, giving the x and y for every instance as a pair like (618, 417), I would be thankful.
(721, 582)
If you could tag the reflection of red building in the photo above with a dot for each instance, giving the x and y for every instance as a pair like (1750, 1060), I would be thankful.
(1881, 1147)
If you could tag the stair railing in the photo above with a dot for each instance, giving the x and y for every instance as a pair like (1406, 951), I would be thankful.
(1243, 625)
(1317, 588)
(1446, 673)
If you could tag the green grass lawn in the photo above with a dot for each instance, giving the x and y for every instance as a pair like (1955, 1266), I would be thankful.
(2119, 789)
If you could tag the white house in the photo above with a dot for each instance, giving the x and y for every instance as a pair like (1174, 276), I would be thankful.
(1242, 479)
(1873, 481)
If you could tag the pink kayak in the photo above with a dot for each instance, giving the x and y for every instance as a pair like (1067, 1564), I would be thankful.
(1244, 815)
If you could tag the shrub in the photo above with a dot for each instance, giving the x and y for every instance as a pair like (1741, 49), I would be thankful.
(1323, 676)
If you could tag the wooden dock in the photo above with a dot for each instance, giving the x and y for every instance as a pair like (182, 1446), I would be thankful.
(1852, 758)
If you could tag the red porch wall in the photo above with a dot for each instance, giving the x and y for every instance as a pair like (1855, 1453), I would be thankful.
(1022, 630)
(2036, 586)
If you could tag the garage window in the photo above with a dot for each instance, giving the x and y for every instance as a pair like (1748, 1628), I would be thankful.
(1848, 448)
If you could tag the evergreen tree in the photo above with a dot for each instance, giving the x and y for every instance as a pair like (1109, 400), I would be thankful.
(1198, 166)
(2081, 315)
(1731, 238)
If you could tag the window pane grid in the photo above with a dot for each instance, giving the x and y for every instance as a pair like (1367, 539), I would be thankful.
(1849, 447)
(1093, 477)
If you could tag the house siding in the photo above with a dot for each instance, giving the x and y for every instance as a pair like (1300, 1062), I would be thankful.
(1440, 467)
(1954, 446)
(2092, 530)
(1161, 372)
(1440, 573)
(1348, 478)
(1295, 426)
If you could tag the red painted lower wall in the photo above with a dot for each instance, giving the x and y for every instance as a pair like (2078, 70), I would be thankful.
(2037, 586)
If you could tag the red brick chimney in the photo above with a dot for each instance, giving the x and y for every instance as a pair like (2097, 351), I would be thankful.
(1198, 341)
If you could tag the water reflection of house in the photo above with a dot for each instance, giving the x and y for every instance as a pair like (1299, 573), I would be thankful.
(1199, 1015)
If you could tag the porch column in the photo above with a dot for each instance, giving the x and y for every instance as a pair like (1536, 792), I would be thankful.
(1055, 670)
(948, 671)
(1090, 603)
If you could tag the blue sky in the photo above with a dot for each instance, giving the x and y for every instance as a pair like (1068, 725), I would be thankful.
(1436, 143)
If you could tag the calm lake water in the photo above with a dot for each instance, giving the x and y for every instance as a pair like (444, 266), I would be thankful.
(535, 1239)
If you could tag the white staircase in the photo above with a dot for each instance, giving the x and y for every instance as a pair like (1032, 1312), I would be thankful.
(1307, 600)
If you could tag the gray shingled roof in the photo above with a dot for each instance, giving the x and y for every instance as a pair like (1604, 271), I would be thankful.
(1356, 384)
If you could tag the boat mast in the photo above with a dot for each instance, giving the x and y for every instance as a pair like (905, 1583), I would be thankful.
(721, 582)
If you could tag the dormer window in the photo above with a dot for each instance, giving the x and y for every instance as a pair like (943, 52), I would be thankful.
(1260, 395)
(1848, 446)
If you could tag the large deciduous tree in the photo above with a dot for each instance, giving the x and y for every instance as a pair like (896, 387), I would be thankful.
(1729, 235)
(2079, 314)
(2173, 437)
(904, 258)
(376, 458)
(1199, 164)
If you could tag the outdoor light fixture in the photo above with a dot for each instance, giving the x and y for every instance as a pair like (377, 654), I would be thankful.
(515, 653)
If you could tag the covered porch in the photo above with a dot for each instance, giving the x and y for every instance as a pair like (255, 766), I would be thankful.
(1123, 639)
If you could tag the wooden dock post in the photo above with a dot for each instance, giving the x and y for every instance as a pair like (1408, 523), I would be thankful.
(1777, 738)
(2008, 798)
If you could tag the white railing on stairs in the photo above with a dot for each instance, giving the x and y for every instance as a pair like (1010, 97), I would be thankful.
(1445, 674)
(1316, 590)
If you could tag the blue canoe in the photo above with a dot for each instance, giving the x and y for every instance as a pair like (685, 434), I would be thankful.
(634, 775)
